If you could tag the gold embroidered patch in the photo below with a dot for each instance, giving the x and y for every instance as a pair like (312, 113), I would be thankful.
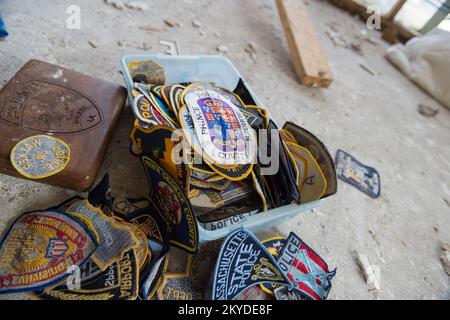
(40, 156)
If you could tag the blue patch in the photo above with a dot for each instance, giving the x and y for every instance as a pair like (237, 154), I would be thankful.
(365, 179)
(243, 262)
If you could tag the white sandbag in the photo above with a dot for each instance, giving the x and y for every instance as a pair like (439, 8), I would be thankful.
(426, 61)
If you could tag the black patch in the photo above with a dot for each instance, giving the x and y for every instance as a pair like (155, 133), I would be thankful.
(283, 184)
(101, 197)
(172, 202)
(364, 178)
(118, 282)
(245, 95)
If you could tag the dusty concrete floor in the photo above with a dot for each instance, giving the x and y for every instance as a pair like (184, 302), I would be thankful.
(374, 118)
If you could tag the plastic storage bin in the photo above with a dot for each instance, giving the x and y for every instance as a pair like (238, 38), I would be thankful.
(217, 69)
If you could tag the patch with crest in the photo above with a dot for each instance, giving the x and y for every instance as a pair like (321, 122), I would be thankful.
(40, 247)
(173, 204)
(40, 156)
(225, 136)
(243, 262)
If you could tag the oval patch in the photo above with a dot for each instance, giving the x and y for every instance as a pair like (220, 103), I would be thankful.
(40, 156)
(221, 128)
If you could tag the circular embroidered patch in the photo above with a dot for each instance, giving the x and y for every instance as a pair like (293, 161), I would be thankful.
(40, 156)
(40, 247)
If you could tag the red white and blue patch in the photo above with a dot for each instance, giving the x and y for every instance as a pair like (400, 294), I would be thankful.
(40, 247)
(307, 272)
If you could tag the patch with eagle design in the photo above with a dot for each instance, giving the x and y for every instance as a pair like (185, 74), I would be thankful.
(40, 247)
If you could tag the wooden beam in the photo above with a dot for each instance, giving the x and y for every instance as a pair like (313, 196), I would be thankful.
(308, 57)
(395, 10)
(359, 8)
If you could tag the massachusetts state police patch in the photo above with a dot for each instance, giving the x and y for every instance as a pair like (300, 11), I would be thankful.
(40, 156)
(39, 248)
(243, 262)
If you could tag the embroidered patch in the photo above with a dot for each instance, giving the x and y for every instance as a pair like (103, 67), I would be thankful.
(147, 72)
(274, 245)
(207, 201)
(142, 109)
(40, 156)
(307, 272)
(364, 178)
(38, 249)
(118, 282)
(243, 262)
(115, 238)
(315, 184)
(318, 150)
(158, 109)
(234, 220)
(164, 145)
(175, 98)
(124, 206)
(174, 206)
(154, 279)
(222, 130)
(179, 286)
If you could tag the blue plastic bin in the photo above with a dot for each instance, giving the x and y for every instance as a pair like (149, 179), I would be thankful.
(217, 69)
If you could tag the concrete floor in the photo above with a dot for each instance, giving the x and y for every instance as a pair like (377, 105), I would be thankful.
(374, 118)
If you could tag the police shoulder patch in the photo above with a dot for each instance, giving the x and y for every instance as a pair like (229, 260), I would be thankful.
(174, 205)
(115, 238)
(365, 179)
(40, 156)
(243, 262)
(307, 271)
(222, 130)
(119, 282)
(40, 247)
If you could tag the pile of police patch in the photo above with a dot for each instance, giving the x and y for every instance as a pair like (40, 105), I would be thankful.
(99, 248)
(224, 153)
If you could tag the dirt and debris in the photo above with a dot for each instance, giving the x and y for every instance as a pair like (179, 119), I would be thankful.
(445, 257)
(135, 5)
(427, 110)
(222, 49)
(367, 68)
(197, 24)
(118, 4)
(371, 272)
